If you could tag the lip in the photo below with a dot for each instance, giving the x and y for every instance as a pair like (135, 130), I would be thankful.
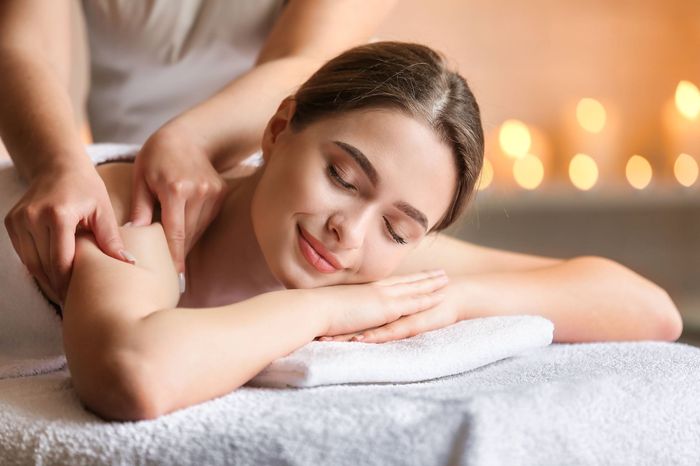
(314, 251)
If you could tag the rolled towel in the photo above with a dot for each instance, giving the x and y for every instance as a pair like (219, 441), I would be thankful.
(457, 348)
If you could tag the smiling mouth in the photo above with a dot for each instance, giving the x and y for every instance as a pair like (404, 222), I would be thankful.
(312, 256)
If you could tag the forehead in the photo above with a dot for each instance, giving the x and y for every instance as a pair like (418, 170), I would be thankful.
(413, 164)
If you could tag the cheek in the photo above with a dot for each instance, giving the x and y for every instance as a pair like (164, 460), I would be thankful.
(380, 261)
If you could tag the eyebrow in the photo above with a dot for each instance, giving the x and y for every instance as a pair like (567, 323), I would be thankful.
(373, 176)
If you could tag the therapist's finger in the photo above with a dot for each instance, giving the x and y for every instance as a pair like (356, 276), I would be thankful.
(173, 219)
(30, 258)
(142, 202)
(103, 224)
(41, 237)
(62, 253)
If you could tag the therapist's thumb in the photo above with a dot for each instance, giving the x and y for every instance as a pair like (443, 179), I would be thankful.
(141, 203)
(107, 235)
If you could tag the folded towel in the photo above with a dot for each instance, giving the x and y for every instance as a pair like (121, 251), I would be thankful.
(31, 340)
(457, 348)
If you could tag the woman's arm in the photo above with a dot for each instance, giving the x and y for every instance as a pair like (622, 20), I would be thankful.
(133, 355)
(588, 299)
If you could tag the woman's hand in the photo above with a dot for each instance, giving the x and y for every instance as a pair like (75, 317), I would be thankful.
(174, 168)
(358, 307)
(42, 225)
(441, 315)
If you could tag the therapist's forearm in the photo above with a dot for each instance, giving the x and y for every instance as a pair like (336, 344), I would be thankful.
(37, 122)
(232, 121)
(185, 356)
(587, 298)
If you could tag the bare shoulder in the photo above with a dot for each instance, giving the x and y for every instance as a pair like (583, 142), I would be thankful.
(459, 257)
(120, 290)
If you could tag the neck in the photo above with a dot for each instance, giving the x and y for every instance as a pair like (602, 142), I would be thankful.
(226, 265)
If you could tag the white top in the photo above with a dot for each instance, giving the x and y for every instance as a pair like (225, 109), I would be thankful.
(151, 60)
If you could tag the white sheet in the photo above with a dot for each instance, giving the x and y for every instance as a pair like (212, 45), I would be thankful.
(564, 404)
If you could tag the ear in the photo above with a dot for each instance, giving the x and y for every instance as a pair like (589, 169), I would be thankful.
(278, 124)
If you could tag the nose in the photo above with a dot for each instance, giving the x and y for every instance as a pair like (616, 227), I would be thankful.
(350, 228)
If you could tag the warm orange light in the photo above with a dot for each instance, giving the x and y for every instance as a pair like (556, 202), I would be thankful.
(514, 138)
(528, 171)
(583, 171)
(638, 171)
(688, 99)
(486, 176)
(591, 115)
(686, 170)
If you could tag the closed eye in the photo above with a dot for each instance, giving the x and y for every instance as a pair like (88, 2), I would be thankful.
(333, 172)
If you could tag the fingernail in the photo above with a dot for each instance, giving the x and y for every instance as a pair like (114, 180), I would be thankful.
(127, 224)
(325, 338)
(127, 256)
(181, 279)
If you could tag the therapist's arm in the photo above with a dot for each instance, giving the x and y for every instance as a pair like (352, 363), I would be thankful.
(307, 34)
(38, 127)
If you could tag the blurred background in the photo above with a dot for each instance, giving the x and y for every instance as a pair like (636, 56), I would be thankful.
(592, 116)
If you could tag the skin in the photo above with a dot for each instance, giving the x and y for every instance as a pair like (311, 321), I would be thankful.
(178, 164)
(136, 349)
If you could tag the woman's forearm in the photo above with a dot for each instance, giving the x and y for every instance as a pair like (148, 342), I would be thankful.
(183, 356)
(587, 298)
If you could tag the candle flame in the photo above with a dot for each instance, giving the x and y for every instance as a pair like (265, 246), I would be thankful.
(486, 176)
(528, 171)
(686, 170)
(688, 100)
(591, 115)
(638, 171)
(514, 138)
(583, 171)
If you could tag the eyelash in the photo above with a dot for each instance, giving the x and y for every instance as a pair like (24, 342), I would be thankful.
(334, 174)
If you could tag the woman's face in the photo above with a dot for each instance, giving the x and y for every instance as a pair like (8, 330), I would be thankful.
(313, 184)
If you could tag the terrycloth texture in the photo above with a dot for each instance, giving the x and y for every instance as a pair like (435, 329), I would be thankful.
(593, 404)
(31, 341)
(450, 350)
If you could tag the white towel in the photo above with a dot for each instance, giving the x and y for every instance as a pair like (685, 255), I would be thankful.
(457, 348)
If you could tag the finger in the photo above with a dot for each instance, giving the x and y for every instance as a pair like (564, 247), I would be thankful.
(62, 252)
(343, 337)
(406, 327)
(30, 258)
(41, 237)
(419, 287)
(410, 278)
(142, 202)
(103, 225)
(173, 219)
(211, 206)
(416, 303)
(195, 211)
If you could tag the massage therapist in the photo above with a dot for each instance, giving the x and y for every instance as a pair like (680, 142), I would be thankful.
(194, 81)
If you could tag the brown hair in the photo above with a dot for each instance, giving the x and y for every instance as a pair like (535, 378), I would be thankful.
(411, 78)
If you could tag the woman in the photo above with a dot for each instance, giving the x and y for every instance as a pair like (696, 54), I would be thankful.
(379, 150)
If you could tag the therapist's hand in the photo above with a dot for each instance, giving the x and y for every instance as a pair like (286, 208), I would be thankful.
(174, 170)
(43, 223)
